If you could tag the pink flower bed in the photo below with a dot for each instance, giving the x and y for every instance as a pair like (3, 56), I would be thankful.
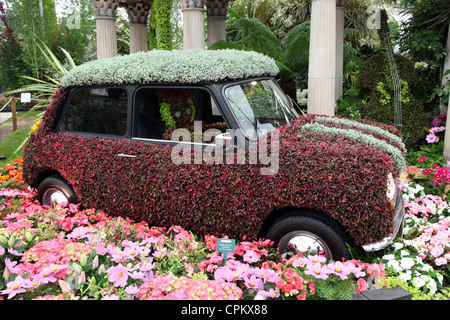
(68, 253)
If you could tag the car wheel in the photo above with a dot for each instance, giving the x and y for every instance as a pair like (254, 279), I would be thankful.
(55, 190)
(305, 231)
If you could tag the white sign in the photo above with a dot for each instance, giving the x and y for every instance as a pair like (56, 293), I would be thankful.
(25, 97)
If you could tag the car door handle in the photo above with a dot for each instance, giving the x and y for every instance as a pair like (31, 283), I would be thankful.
(126, 155)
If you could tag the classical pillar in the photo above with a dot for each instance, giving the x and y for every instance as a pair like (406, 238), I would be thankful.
(216, 14)
(138, 12)
(340, 19)
(322, 58)
(105, 21)
(193, 24)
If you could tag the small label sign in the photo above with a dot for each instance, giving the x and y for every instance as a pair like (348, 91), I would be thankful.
(225, 246)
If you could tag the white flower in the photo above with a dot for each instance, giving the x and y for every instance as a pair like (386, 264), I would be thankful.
(395, 265)
(388, 257)
(405, 276)
(407, 263)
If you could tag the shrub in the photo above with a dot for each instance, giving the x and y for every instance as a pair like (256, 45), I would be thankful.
(375, 78)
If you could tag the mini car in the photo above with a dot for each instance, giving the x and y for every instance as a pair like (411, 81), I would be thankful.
(208, 141)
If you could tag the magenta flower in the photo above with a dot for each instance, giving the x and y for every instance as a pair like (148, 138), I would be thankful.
(301, 262)
(357, 271)
(45, 276)
(11, 266)
(160, 253)
(118, 275)
(316, 259)
(271, 293)
(340, 269)
(221, 274)
(421, 159)
(253, 283)
(317, 270)
(17, 286)
(79, 233)
(432, 138)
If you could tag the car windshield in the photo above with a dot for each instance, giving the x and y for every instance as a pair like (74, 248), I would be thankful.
(260, 106)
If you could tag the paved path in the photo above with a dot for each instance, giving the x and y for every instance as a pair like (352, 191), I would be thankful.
(5, 116)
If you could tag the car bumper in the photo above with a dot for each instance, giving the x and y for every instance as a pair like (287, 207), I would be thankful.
(398, 226)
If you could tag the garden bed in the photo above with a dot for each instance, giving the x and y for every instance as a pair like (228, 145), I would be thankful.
(65, 252)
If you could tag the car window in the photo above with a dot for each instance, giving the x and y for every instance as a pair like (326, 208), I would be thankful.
(158, 112)
(97, 110)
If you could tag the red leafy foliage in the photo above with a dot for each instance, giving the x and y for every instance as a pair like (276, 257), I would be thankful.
(333, 174)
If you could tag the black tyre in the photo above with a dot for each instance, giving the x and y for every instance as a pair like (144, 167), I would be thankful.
(307, 231)
(55, 189)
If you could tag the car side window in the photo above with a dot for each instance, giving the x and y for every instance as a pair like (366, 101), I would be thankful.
(158, 112)
(98, 111)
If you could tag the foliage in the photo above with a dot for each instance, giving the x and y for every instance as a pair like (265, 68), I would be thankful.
(233, 213)
(291, 54)
(177, 104)
(423, 40)
(12, 58)
(45, 89)
(186, 66)
(163, 13)
(41, 26)
(377, 81)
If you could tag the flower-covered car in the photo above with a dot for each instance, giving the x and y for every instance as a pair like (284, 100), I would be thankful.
(207, 140)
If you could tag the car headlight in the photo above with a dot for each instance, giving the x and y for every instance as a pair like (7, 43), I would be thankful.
(391, 188)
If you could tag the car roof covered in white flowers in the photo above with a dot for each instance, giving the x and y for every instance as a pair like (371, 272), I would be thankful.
(177, 66)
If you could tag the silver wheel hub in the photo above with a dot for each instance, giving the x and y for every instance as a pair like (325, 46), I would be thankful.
(304, 241)
(53, 195)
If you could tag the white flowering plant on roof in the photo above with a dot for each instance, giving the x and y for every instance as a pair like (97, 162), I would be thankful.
(176, 66)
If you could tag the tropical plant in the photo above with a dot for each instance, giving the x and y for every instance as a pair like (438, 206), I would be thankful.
(45, 89)
(291, 55)
(12, 58)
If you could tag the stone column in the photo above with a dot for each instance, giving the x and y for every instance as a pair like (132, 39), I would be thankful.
(340, 19)
(105, 21)
(138, 12)
(193, 24)
(216, 13)
(322, 58)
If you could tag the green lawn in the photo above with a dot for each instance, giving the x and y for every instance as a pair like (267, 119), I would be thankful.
(10, 144)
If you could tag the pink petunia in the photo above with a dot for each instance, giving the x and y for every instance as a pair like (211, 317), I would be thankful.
(251, 256)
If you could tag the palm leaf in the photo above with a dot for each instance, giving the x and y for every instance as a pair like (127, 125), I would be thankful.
(296, 46)
(257, 36)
